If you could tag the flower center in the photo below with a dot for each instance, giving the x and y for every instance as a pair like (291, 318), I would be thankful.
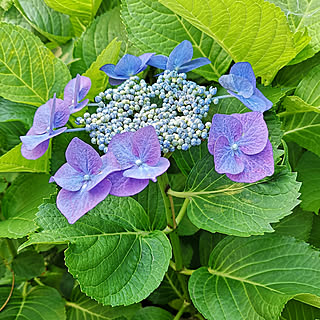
(86, 177)
(48, 130)
(138, 162)
(234, 147)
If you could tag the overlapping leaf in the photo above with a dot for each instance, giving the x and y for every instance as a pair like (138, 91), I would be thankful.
(256, 32)
(253, 278)
(153, 28)
(114, 254)
(29, 72)
(295, 310)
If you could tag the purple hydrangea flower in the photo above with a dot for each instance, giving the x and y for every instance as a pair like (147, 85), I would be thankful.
(84, 179)
(240, 145)
(241, 83)
(75, 91)
(140, 159)
(127, 66)
(180, 59)
(48, 117)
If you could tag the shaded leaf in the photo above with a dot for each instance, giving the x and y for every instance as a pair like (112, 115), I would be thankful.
(296, 310)
(153, 313)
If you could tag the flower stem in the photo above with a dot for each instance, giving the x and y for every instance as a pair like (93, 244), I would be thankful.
(223, 97)
(181, 310)
(75, 129)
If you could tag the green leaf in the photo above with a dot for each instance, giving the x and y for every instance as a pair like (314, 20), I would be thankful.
(206, 245)
(54, 25)
(99, 79)
(221, 205)
(10, 133)
(297, 225)
(132, 262)
(20, 210)
(295, 310)
(83, 10)
(96, 38)
(301, 123)
(309, 87)
(147, 24)
(6, 4)
(13, 16)
(253, 278)
(40, 303)
(29, 72)
(309, 174)
(268, 46)
(153, 313)
(303, 15)
(82, 307)
(12, 111)
(13, 161)
(314, 238)
(28, 264)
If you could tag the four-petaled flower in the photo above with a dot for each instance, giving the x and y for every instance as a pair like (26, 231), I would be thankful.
(241, 83)
(75, 91)
(84, 179)
(240, 145)
(140, 159)
(180, 59)
(48, 117)
(127, 66)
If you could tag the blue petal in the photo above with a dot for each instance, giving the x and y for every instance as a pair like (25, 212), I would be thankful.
(180, 55)
(240, 85)
(128, 65)
(115, 82)
(159, 61)
(145, 58)
(257, 102)
(194, 64)
(109, 70)
(244, 70)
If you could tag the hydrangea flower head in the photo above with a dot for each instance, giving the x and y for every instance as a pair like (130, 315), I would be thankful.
(180, 59)
(75, 91)
(127, 66)
(140, 159)
(241, 83)
(48, 117)
(240, 146)
(84, 179)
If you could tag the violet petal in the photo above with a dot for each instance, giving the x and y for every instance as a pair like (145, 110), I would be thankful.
(35, 153)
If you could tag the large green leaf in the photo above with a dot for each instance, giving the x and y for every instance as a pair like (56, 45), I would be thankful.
(153, 313)
(309, 174)
(309, 87)
(20, 204)
(84, 308)
(218, 204)
(301, 15)
(13, 161)
(295, 310)
(253, 278)
(301, 123)
(113, 253)
(40, 303)
(10, 133)
(153, 28)
(99, 79)
(83, 10)
(96, 38)
(253, 31)
(29, 72)
(54, 25)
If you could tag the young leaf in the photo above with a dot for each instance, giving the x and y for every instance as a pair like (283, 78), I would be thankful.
(99, 79)
(309, 174)
(153, 313)
(243, 209)
(268, 46)
(253, 278)
(296, 310)
(147, 24)
(113, 253)
(13, 161)
(54, 25)
(40, 303)
(19, 211)
(29, 72)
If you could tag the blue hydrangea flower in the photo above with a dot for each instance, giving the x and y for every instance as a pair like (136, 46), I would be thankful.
(241, 83)
(75, 91)
(180, 59)
(127, 66)
(84, 179)
(48, 117)
(140, 159)
(240, 146)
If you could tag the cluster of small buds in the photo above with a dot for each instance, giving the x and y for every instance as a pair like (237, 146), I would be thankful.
(173, 105)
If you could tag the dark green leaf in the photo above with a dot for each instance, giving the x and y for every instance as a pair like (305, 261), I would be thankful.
(10, 133)
(296, 310)
(153, 313)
